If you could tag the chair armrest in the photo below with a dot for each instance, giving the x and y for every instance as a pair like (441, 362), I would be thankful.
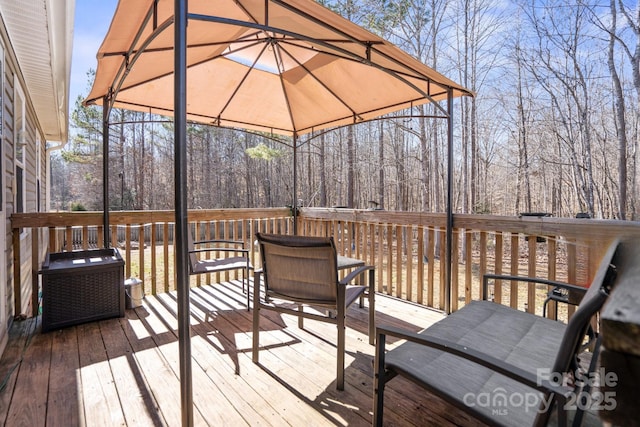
(483, 359)
(355, 273)
(579, 290)
(238, 246)
(215, 249)
(239, 243)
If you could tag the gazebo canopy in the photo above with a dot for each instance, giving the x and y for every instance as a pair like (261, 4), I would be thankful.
(283, 67)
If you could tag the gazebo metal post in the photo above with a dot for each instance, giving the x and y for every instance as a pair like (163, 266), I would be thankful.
(181, 218)
(294, 204)
(106, 109)
(449, 230)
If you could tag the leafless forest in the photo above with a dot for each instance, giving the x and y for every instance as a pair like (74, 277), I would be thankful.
(554, 126)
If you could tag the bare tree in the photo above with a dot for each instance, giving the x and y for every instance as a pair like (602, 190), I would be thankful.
(554, 62)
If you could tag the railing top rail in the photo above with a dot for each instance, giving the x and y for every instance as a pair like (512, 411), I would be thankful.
(569, 228)
(69, 219)
(375, 216)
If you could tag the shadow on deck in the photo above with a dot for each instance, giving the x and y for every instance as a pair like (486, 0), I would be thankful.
(126, 371)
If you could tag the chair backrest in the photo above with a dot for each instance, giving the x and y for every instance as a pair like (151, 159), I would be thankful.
(193, 258)
(591, 303)
(300, 268)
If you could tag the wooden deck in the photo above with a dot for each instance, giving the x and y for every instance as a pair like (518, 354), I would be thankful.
(125, 371)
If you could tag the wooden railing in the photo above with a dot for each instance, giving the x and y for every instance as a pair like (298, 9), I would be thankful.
(144, 238)
(405, 247)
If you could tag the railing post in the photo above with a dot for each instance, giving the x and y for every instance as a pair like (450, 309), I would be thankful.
(17, 279)
(35, 267)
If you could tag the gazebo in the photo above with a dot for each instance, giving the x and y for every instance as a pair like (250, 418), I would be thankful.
(282, 67)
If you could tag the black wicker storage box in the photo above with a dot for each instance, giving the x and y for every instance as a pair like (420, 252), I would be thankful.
(81, 286)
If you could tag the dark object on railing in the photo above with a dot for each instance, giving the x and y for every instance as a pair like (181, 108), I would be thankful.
(536, 214)
(81, 286)
(486, 356)
(583, 215)
(374, 206)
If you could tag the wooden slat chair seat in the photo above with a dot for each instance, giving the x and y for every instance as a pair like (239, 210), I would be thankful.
(492, 361)
(304, 271)
(228, 255)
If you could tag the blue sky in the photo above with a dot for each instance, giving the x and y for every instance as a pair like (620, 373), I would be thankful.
(92, 19)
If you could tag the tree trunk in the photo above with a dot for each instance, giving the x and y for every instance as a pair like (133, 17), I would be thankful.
(350, 167)
(619, 112)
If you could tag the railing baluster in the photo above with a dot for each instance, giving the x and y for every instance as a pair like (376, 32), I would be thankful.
(551, 274)
(468, 265)
(572, 268)
(531, 272)
(100, 237)
(165, 254)
(482, 268)
(69, 238)
(431, 260)
(127, 250)
(443, 257)
(152, 244)
(515, 257)
(372, 244)
(114, 236)
(389, 259)
(141, 257)
(408, 249)
(499, 251)
(420, 267)
(400, 279)
(85, 237)
(455, 264)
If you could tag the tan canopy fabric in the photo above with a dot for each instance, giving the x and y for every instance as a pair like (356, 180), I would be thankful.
(284, 67)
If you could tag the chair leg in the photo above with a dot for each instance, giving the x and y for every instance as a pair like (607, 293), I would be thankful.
(341, 346)
(245, 276)
(256, 317)
(378, 382)
(300, 318)
(372, 307)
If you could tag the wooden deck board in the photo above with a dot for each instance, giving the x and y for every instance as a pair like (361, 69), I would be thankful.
(29, 401)
(101, 402)
(128, 377)
(125, 371)
(10, 363)
(65, 364)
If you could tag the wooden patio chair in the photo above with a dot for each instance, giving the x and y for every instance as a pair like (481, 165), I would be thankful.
(499, 364)
(302, 272)
(227, 255)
